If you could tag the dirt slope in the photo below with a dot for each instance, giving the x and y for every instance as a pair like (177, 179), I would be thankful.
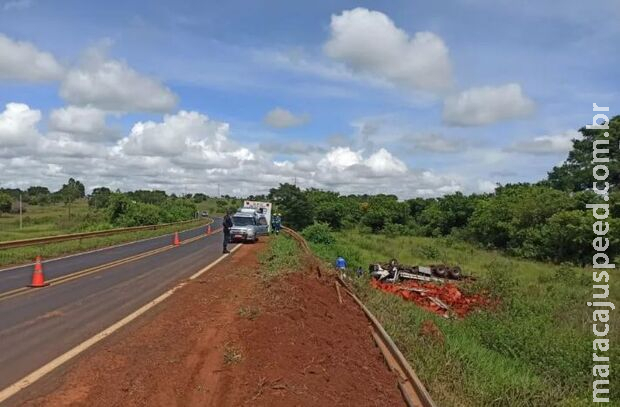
(228, 339)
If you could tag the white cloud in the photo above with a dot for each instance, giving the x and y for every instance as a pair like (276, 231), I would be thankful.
(486, 105)
(384, 163)
(548, 144)
(18, 125)
(486, 186)
(189, 151)
(369, 42)
(189, 139)
(280, 118)
(24, 62)
(82, 122)
(112, 85)
(340, 158)
(380, 163)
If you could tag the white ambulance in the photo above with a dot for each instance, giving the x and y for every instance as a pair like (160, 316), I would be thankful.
(263, 214)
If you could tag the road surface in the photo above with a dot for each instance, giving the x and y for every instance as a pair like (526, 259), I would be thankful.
(41, 324)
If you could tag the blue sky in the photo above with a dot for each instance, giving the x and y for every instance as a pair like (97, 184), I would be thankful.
(412, 98)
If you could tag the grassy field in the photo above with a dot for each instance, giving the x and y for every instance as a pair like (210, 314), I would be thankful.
(281, 256)
(211, 205)
(23, 255)
(49, 220)
(40, 221)
(535, 349)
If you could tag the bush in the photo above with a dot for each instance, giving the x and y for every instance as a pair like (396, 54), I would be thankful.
(394, 229)
(499, 280)
(176, 210)
(6, 201)
(140, 214)
(319, 233)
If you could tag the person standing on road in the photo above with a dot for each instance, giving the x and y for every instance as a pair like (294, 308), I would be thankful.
(227, 225)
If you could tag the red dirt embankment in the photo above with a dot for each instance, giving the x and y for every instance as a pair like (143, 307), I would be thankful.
(228, 339)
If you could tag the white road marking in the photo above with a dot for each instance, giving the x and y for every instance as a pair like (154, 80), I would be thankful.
(60, 360)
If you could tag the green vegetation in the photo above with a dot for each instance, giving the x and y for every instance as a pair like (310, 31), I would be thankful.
(219, 206)
(68, 210)
(282, 256)
(575, 174)
(543, 221)
(6, 202)
(294, 205)
(49, 220)
(534, 348)
(319, 233)
(22, 255)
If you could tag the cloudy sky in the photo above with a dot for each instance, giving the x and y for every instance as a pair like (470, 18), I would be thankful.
(407, 97)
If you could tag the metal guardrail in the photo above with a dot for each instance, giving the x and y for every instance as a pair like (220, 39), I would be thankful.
(84, 235)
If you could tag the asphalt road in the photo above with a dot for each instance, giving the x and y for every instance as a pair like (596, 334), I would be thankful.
(44, 323)
(13, 278)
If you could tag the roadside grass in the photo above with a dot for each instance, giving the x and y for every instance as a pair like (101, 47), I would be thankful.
(27, 254)
(211, 205)
(282, 256)
(49, 220)
(534, 349)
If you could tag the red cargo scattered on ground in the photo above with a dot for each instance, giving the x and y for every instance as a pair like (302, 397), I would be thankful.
(423, 293)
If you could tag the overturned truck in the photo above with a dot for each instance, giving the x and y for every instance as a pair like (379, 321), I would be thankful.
(394, 272)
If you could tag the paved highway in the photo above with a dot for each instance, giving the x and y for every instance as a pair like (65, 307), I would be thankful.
(41, 324)
(13, 278)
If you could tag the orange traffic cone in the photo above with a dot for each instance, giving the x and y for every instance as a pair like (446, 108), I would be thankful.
(208, 229)
(38, 278)
(176, 240)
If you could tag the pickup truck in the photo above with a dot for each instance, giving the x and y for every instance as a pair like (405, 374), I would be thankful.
(245, 228)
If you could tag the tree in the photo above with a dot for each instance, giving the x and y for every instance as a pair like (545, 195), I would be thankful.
(297, 211)
(32, 191)
(383, 209)
(508, 219)
(329, 207)
(70, 192)
(37, 195)
(575, 174)
(150, 197)
(444, 214)
(417, 205)
(6, 202)
(100, 198)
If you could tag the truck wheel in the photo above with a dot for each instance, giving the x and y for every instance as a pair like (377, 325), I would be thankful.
(439, 271)
(455, 272)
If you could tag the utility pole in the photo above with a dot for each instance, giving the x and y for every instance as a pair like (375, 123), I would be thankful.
(21, 224)
(218, 191)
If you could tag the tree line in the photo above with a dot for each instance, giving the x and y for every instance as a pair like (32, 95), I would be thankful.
(546, 220)
(109, 208)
